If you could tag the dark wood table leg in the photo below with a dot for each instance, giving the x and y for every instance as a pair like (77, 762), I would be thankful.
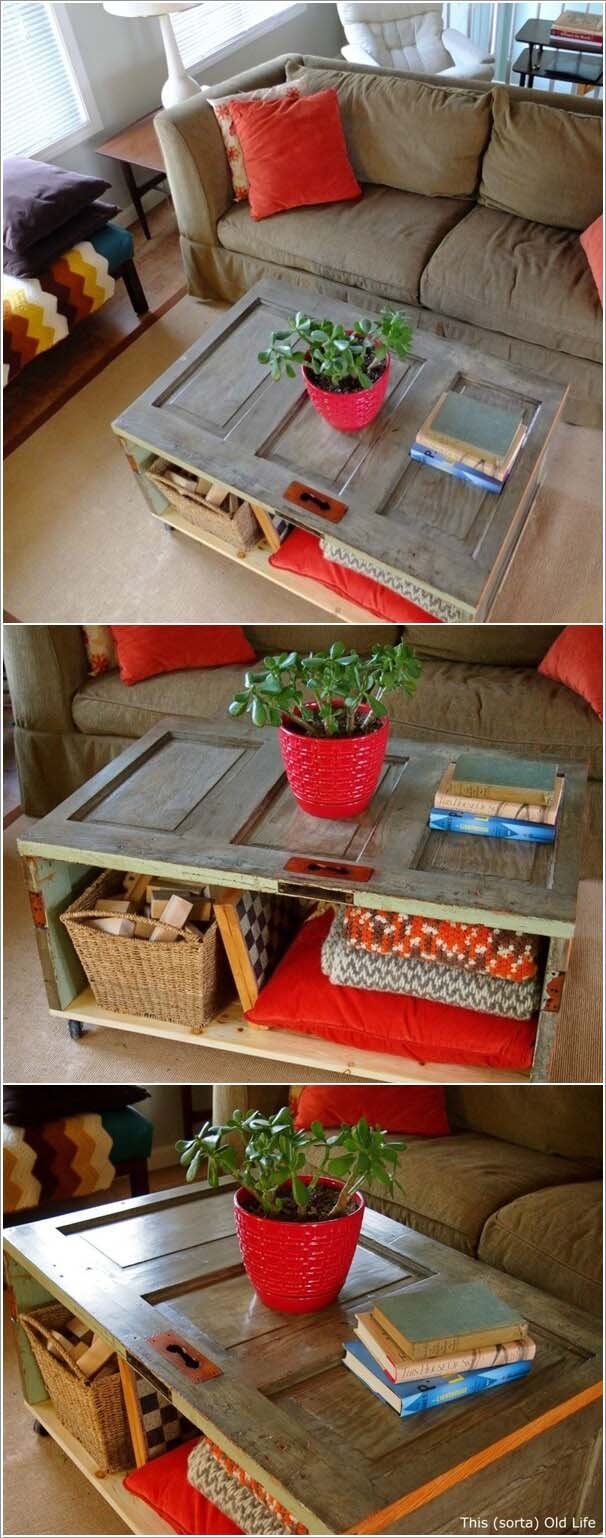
(133, 286)
(135, 195)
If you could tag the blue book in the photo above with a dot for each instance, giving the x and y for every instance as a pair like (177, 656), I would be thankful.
(492, 827)
(452, 467)
(425, 1393)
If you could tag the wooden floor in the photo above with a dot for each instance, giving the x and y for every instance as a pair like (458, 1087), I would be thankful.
(56, 375)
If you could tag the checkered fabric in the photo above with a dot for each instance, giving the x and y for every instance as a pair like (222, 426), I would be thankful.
(268, 924)
(163, 1426)
(281, 526)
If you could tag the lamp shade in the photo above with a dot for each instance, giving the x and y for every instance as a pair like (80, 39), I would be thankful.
(147, 7)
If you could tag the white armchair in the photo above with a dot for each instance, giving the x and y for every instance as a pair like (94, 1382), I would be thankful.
(411, 37)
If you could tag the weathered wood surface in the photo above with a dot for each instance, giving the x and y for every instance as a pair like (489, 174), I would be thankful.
(212, 803)
(283, 1405)
(217, 411)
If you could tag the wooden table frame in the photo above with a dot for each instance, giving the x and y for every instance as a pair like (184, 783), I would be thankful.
(131, 1299)
(137, 145)
(448, 547)
(230, 765)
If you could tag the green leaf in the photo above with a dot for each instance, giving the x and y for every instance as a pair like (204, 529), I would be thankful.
(336, 1168)
(263, 357)
(259, 713)
(236, 708)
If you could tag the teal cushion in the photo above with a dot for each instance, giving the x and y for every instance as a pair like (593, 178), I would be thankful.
(115, 244)
(131, 1134)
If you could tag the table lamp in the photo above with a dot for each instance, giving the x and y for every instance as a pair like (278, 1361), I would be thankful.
(178, 86)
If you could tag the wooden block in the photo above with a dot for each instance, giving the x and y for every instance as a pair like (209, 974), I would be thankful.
(216, 494)
(76, 1326)
(114, 926)
(136, 888)
(113, 905)
(177, 910)
(95, 1357)
(133, 1412)
(142, 929)
(266, 525)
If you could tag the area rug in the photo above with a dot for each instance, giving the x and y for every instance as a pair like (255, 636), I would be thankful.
(80, 541)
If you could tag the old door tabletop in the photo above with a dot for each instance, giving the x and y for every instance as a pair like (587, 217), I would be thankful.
(211, 802)
(448, 545)
(283, 1406)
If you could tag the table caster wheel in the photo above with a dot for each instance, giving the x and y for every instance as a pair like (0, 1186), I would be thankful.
(39, 1429)
(168, 528)
(76, 1029)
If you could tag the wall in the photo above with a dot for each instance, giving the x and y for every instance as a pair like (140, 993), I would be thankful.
(126, 67)
(164, 1109)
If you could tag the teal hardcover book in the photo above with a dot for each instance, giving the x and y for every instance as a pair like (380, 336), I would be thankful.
(478, 774)
(476, 425)
(447, 1318)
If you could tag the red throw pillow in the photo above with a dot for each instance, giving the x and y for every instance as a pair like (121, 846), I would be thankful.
(592, 242)
(299, 997)
(575, 659)
(301, 552)
(420, 1110)
(144, 650)
(295, 152)
(163, 1484)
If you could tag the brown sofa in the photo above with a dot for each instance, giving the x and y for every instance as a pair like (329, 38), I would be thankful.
(479, 687)
(474, 199)
(518, 1182)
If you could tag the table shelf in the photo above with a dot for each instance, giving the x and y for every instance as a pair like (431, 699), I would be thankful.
(230, 1032)
(135, 1513)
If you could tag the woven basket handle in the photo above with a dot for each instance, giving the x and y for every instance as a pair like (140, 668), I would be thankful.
(47, 1338)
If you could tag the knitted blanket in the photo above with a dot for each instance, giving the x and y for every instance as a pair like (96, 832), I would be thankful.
(38, 312)
(475, 947)
(237, 1494)
(358, 968)
(55, 1161)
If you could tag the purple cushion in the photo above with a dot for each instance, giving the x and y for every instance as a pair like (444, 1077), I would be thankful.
(41, 255)
(40, 197)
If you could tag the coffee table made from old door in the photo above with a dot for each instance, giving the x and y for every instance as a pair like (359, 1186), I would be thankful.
(445, 545)
(211, 804)
(282, 1405)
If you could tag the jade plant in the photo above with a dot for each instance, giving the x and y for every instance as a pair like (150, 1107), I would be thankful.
(338, 358)
(269, 1156)
(334, 693)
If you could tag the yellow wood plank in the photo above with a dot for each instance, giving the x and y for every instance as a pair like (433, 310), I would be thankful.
(230, 1032)
(137, 1516)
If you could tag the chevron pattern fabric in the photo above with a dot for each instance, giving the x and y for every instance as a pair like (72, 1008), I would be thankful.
(39, 312)
(358, 968)
(55, 1161)
(234, 1492)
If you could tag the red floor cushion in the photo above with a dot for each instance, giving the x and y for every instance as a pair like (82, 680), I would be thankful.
(418, 1109)
(302, 554)
(163, 1485)
(298, 997)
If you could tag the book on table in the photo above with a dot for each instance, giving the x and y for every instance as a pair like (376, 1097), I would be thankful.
(425, 1393)
(521, 811)
(400, 1368)
(447, 1319)
(491, 827)
(473, 440)
(498, 798)
(579, 26)
(504, 779)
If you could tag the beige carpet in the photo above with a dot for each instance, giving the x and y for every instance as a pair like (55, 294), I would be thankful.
(37, 1047)
(80, 541)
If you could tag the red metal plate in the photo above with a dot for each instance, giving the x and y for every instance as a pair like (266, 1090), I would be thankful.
(329, 868)
(313, 501)
(185, 1357)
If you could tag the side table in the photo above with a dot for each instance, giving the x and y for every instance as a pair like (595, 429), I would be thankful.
(568, 62)
(137, 145)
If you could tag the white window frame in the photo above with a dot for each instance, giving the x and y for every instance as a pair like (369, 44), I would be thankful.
(258, 30)
(76, 64)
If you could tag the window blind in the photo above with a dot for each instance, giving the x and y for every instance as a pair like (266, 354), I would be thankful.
(41, 100)
(206, 29)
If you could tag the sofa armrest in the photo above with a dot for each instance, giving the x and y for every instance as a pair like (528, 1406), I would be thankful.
(197, 168)
(466, 55)
(45, 666)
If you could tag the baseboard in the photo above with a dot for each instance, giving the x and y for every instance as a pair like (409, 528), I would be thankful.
(129, 215)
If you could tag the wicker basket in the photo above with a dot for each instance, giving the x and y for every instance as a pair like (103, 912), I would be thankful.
(93, 1410)
(187, 982)
(207, 505)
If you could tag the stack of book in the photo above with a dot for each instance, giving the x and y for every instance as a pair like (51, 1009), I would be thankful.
(471, 439)
(499, 797)
(426, 1346)
(582, 27)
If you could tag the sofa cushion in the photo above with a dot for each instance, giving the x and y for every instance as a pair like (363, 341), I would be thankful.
(409, 134)
(110, 708)
(494, 707)
(453, 1185)
(543, 163)
(524, 280)
(552, 1239)
(381, 243)
(269, 639)
(499, 645)
(552, 1119)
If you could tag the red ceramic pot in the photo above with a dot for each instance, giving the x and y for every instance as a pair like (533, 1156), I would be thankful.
(352, 411)
(334, 777)
(297, 1268)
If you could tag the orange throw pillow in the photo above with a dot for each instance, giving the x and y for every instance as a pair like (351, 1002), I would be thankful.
(575, 659)
(592, 242)
(420, 1111)
(295, 153)
(145, 650)
(302, 553)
